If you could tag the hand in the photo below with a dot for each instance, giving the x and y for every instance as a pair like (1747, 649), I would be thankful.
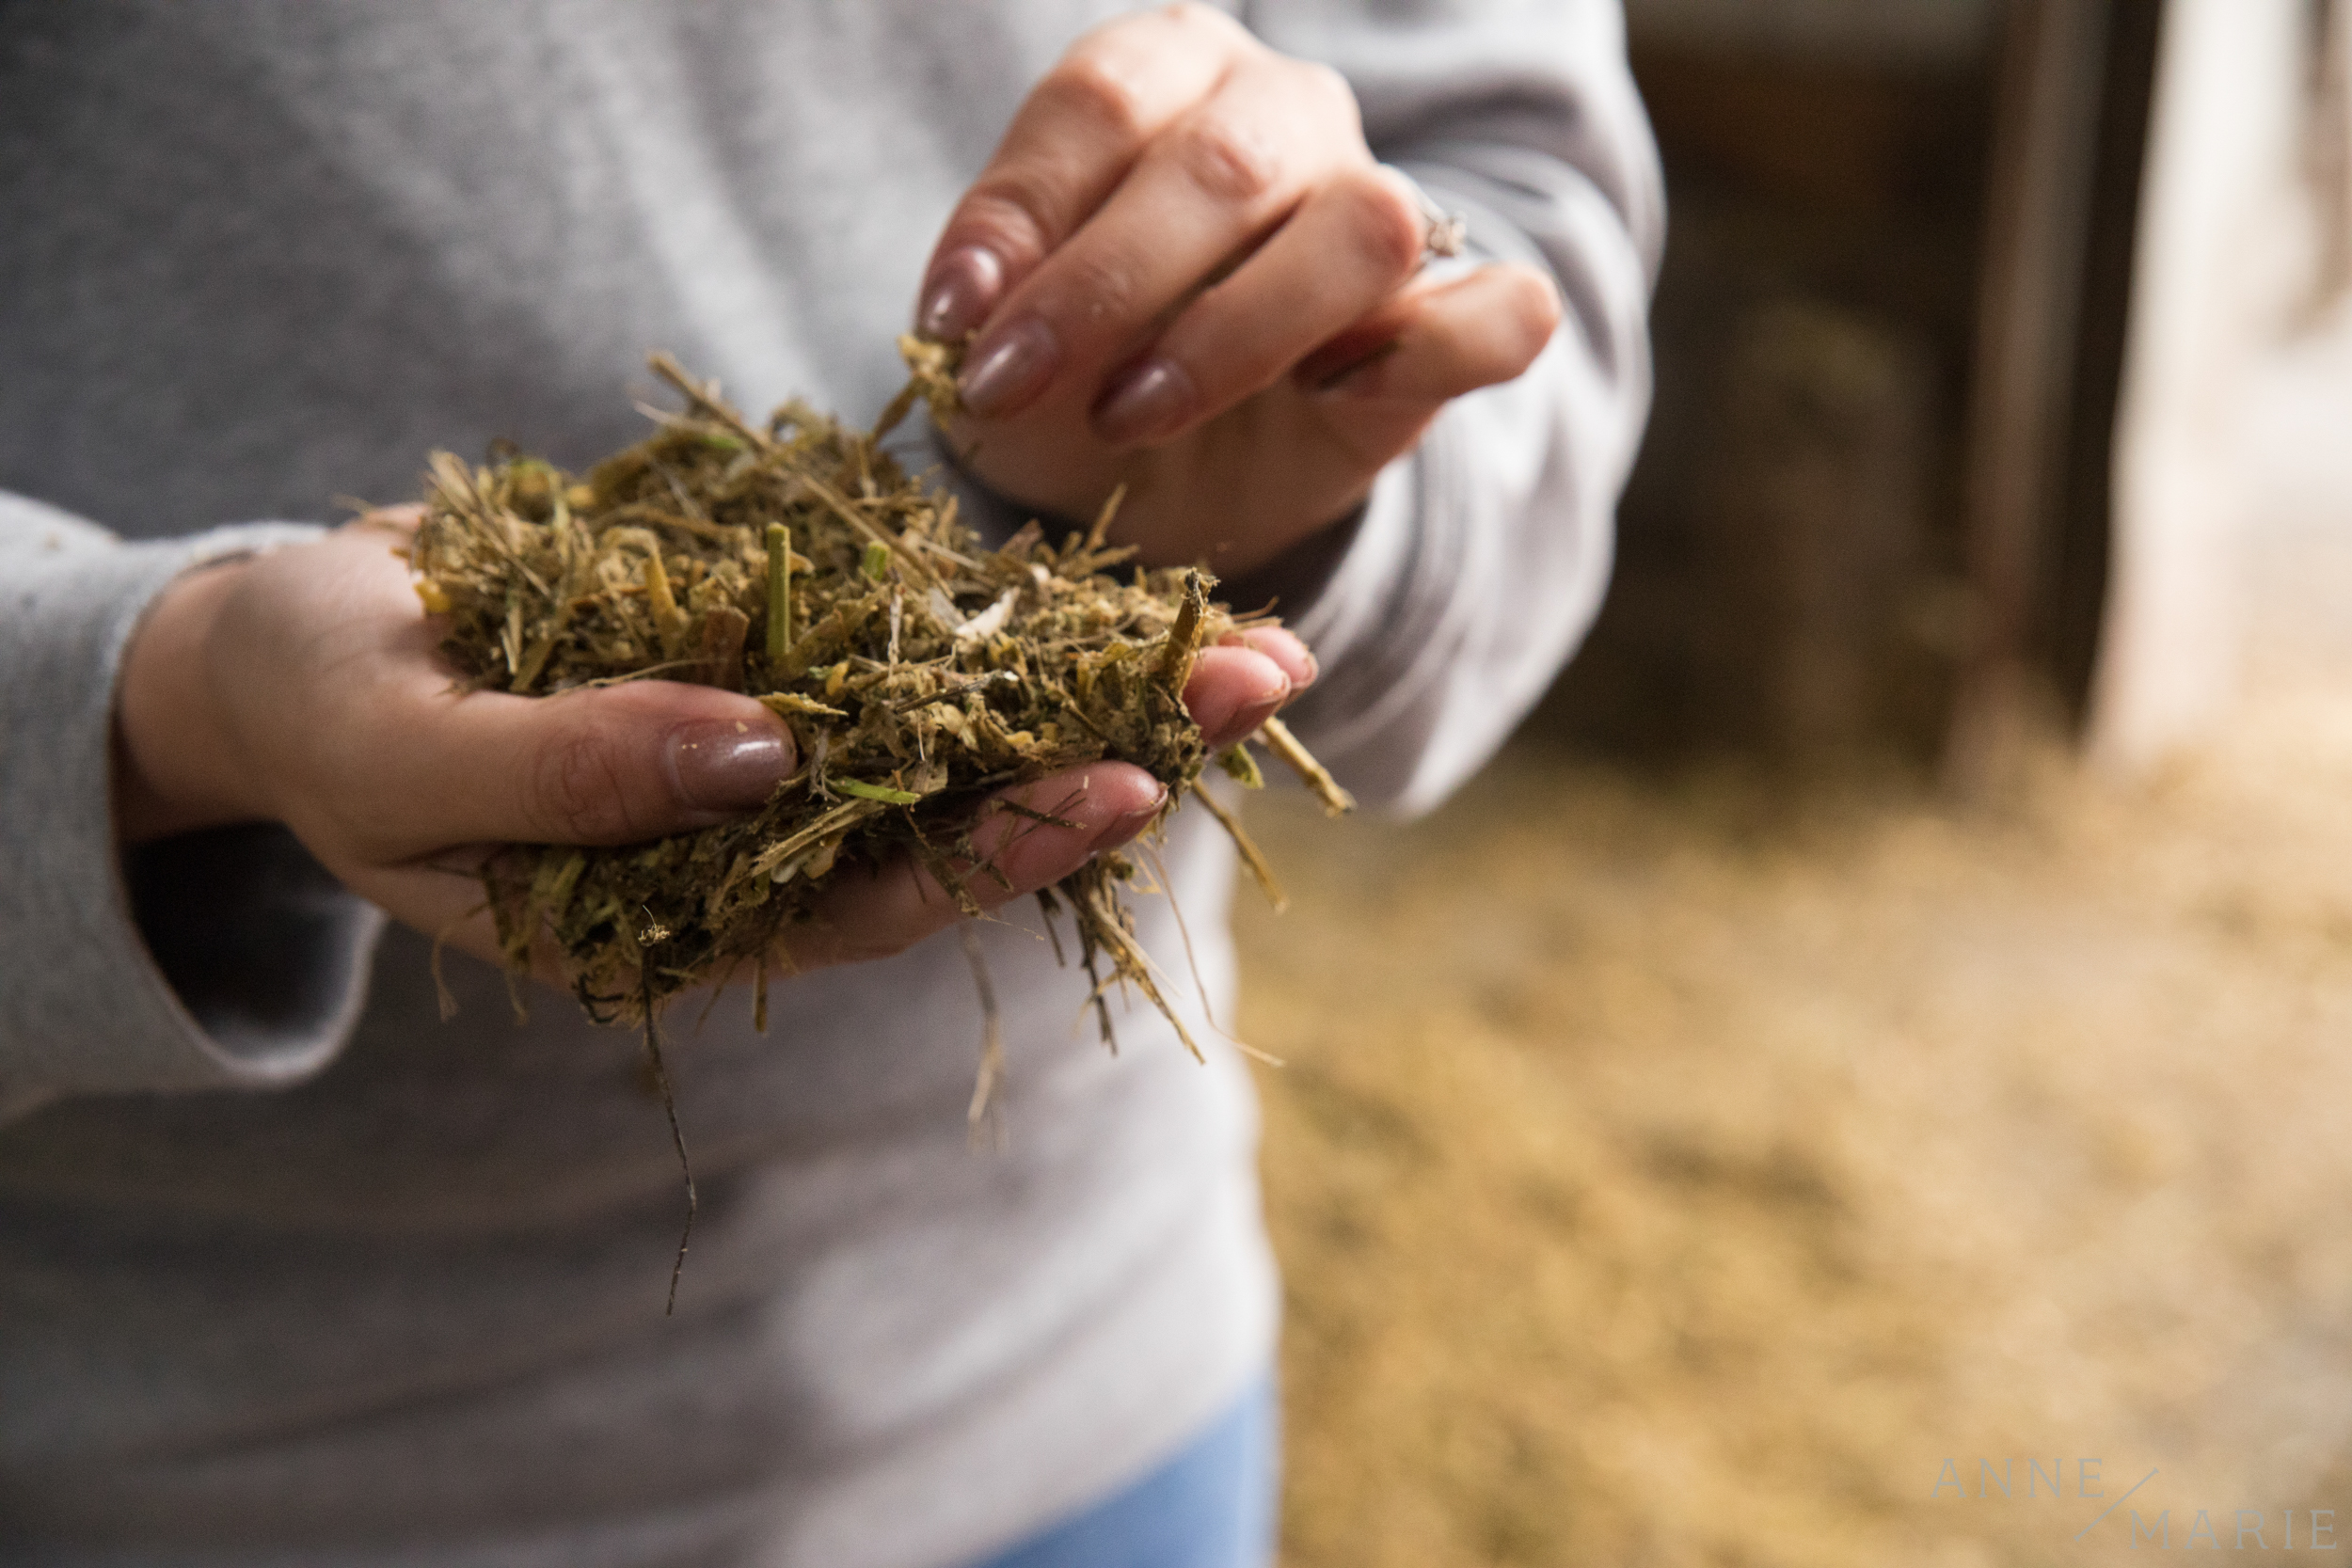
(304, 687)
(1188, 274)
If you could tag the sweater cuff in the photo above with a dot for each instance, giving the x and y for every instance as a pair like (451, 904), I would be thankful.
(1372, 616)
(251, 965)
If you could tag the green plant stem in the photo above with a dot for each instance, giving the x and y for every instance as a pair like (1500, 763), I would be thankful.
(779, 592)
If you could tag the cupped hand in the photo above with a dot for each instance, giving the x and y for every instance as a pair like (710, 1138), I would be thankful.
(304, 687)
(1186, 273)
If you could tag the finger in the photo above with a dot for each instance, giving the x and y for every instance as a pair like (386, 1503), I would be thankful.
(615, 765)
(1346, 248)
(1282, 645)
(399, 764)
(1074, 139)
(442, 899)
(1233, 689)
(628, 762)
(1207, 190)
(401, 518)
(1377, 387)
(1433, 345)
(874, 914)
(868, 913)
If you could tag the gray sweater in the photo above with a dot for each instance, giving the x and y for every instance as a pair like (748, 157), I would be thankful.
(291, 1272)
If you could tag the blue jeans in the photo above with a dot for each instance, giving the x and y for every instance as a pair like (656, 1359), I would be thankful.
(1212, 1506)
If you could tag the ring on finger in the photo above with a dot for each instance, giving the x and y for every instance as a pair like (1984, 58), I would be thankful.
(1443, 233)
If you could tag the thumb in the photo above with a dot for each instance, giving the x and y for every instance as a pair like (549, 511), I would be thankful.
(611, 765)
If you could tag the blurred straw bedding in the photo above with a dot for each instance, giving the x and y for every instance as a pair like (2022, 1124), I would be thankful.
(1678, 1172)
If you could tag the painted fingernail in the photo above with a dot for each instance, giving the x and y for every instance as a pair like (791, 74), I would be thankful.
(1296, 658)
(1247, 720)
(1154, 397)
(1010, 367)
(728, 766)
(1128, 824)
(960, 292)
(1226, 714)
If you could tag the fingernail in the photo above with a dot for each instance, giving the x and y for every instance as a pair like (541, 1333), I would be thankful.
(1154, 397)
(960, 291)
(1250, 716)
(1248, 708)
(729, 767)
(1294, 657)
(1009, 368)
(1128, 824)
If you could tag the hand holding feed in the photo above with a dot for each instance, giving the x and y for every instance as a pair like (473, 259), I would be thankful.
(304, 687)
(1184, 270)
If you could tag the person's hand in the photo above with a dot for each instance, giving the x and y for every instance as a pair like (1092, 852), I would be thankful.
(1187, 272)
(303, 687)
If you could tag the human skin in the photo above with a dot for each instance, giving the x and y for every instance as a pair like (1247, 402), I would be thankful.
(1184, 271)
(304, 687)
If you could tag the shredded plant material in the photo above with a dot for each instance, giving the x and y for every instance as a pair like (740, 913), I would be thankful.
(920, 673)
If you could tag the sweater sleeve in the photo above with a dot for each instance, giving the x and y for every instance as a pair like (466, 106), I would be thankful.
(221, 960)
(1481, 557)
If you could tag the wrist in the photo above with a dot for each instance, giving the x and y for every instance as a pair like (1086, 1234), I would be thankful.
(176, 768)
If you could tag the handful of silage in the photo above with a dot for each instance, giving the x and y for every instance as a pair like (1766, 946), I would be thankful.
(920, 673)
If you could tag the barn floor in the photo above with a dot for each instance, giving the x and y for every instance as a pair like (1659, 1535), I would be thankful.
(1681, 1172)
